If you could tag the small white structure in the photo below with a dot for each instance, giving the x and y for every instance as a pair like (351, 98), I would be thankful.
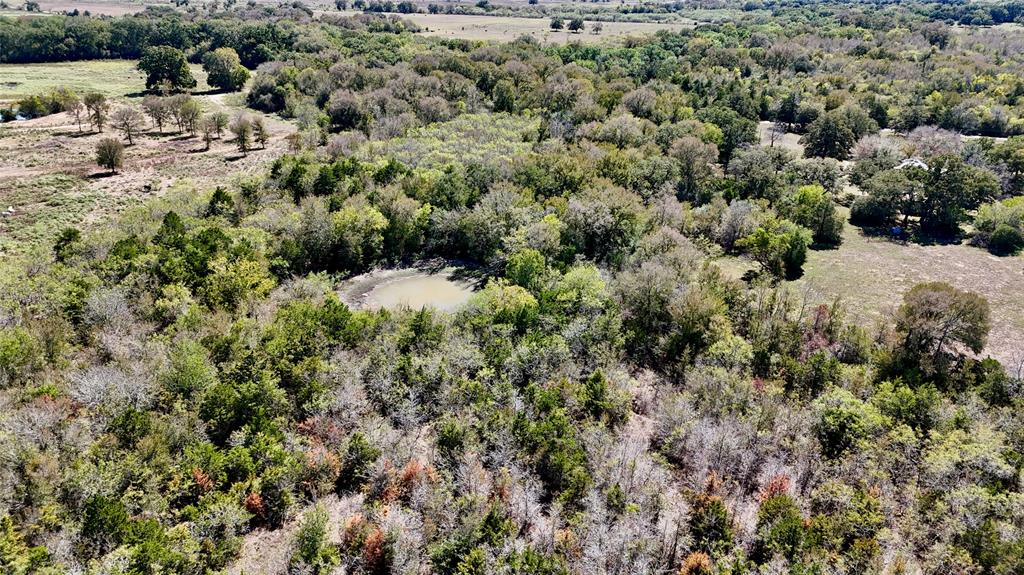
(914, 162)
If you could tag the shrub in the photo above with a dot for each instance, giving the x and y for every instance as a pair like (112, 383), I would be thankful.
(843, 422)
(999, 226)
(780, 529)
(812, 208)
(312, 548)
(871, 211)
(710, 525)
(110, 154)
(355, 464)
(1006, 240)
(20, 356)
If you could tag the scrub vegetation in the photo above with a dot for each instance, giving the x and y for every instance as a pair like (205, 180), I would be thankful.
(641, 383)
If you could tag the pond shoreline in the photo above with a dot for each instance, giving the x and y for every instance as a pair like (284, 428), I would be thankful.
(442, 284)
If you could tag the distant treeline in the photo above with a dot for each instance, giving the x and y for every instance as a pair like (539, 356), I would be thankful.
(64, 38)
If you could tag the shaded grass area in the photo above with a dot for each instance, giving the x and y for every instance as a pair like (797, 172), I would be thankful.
(871, 274)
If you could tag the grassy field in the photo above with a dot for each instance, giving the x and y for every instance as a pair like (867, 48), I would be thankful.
(113, 78)
(871, 275)
(499, 28)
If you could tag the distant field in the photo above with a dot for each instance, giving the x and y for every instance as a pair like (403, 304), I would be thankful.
(94, 7)
(113, 78)
(510, 28)
(872, 274)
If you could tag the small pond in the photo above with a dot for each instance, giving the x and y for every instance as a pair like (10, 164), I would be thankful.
(444, 289)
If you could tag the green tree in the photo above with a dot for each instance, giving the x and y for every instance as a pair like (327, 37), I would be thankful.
(779, 245)
(813, 209)
(736, 130)
(224, 70)
(937, 321)
(167, 66)
(829, 137)
(951, 188)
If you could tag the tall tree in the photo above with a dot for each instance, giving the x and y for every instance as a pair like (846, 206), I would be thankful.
(829, 137)
(224, 70)
(166, 66)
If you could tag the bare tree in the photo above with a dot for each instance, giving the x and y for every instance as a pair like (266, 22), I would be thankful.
(220, 122)
(76, 109)
(157, 110)
(208, 127)
(98, 108)
(129, 121)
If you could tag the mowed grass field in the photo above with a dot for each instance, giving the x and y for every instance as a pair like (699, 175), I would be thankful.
(112, 78)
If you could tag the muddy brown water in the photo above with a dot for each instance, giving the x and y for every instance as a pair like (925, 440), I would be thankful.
(414, 288)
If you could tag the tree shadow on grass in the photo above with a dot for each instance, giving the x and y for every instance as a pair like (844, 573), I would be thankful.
(101, 175)
(912, 234)
(74, 134)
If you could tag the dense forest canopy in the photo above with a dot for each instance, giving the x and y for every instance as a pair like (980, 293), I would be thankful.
(610, 400)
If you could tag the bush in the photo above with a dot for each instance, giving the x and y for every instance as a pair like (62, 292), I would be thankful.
(312, 547)
(780, 529)
(110, 154)
(710, 525)
(843, 422)
(1006, 240)
(355, 465)
(812, 208)
(870, 211)
(20, 356)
